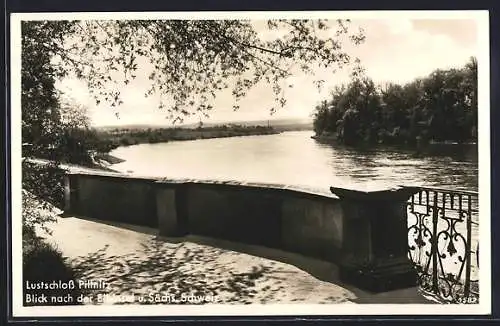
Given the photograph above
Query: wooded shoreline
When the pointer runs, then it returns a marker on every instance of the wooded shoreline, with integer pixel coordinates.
(127, 137)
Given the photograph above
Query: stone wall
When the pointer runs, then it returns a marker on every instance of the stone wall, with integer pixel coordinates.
(268, 215)
(364, 231)
(312, 224)
(234, 212)
(111, 197)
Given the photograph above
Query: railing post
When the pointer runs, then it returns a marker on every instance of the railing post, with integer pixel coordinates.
(375, 239)
(434, 244)
(468, 251)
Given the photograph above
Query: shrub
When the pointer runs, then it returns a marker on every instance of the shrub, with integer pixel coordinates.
(45, 181)
(44, 263)
(35, 213)
(41, 261)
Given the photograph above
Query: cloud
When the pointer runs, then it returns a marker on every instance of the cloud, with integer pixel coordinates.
(392, 55)
(461, 31)
(399, 26)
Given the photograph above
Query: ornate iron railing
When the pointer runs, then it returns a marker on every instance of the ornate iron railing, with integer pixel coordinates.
(443, 243)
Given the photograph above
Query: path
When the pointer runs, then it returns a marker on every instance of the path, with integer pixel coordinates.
(135, 262)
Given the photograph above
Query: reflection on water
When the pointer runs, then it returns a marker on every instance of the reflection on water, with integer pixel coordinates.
(294, 158)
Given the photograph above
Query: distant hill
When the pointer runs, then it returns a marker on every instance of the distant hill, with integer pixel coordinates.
(292, 124)
(278, 124)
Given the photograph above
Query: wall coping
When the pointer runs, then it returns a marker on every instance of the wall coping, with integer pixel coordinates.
(374, 192)
(110, 174)
(208, 182)
(251, 184)
(358, 189)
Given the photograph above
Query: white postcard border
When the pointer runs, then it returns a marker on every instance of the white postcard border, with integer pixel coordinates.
(484, 307)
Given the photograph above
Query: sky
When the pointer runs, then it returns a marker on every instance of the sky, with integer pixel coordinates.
(395, 50)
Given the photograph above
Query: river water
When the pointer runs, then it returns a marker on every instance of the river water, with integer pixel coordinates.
(294, 158)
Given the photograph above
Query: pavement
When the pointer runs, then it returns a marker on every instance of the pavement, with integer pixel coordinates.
(135, 262)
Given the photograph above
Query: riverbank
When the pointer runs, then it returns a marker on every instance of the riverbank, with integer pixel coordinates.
(128, 136)
(333, 139)
(325, 138)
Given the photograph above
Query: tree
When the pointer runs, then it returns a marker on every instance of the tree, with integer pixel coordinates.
(440, 107)
(190, 60)
(470, 88)
(353, 112)
(40, 114)
(394, 113)
(321, 118)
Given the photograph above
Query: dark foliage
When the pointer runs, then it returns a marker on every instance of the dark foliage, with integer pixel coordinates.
(44, 263)
(441, 107)
(45, 182)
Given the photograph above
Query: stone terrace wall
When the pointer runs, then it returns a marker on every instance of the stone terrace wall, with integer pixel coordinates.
(364, 231)
(263, 214)
(112, 197)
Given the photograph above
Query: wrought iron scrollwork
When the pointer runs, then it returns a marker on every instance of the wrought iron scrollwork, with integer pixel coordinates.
(442, 232)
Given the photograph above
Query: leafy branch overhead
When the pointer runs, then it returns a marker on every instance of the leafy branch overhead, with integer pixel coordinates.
(188, 62)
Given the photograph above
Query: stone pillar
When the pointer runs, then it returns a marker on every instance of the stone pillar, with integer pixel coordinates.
(70, 193)
(375, 239)
(171, 208)
(67, 193)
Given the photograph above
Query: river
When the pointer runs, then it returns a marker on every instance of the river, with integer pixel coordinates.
(294, 158)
